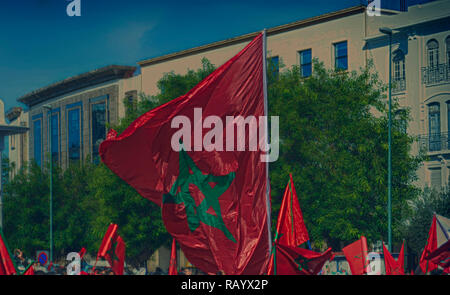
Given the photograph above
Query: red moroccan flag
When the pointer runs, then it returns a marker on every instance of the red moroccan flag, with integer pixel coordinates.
(394, 267)
(291, 230)
(431, 245)
(6, 264)
(299, 261)
(113, 249)
(441, 256)
(173, 259)
(29, 271)
(356, 255)
(82, 252)
(214, 198)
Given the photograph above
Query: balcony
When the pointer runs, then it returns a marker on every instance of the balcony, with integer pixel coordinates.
(435, 142)
(436, 75)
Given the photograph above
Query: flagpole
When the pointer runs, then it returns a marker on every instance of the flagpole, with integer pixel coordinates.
(266, 113)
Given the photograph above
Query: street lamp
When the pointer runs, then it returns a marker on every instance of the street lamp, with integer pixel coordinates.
(388, 31)
(49, 126)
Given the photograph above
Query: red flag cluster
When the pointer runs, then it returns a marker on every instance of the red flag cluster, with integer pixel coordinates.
(394, 267)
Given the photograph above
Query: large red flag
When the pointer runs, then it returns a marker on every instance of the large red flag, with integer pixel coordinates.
(6, 263)
(298, 261)
(394, 267)
(173, 259)
(113, 249)
(357, 256)
(214, 198)
(431, 245)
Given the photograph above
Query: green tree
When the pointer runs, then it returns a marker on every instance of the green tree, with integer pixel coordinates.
(333, 133)
(415, 229)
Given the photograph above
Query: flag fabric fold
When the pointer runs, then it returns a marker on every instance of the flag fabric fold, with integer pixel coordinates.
(394, 267)
(214, 201)
(6, 263)
(299, 261)
(112, 249)
(441, 256)
(431, 245)
(357, 256)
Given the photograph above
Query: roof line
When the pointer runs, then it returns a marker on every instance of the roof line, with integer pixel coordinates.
(242, 38)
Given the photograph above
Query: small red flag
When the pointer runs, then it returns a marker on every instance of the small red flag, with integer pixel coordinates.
(431, 245)
(29, 271)
(291, 229)
(173, 259)
(113, 249)
(299, 261)
(6, 264)
(82, 252)
(356, 255)
(394, 267)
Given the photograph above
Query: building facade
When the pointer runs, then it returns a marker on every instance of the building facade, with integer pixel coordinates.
(72, 116)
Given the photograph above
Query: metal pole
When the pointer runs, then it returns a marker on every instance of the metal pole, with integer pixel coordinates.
(390, 151)
(51, 188)
(49, 127)
(266, 113)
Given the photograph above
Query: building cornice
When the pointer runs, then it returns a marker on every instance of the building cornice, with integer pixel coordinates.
(248, 37)
(74, 83)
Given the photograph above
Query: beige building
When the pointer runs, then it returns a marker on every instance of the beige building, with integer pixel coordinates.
(348, 39)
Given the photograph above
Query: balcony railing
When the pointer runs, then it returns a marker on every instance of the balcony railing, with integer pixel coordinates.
(398, 85)
(436, 74)
(435, 142)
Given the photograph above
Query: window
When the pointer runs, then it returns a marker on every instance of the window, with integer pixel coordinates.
(340, 56)
(98, 127)
(54, 127)
(37, 141)
(434, 121)
(403, 122)
(74, 134)
(399, 65)
(447, 43)
(433, 53)
(274, 66)
(435, 178)
(305, 63)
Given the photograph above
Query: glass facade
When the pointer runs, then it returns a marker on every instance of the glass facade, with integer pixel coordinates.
(74, 134)
(305, 63)
(37, 141)
(54, 127)
(340, 56)
(98, 128)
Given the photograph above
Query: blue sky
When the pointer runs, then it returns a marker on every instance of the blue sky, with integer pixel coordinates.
(40, 44)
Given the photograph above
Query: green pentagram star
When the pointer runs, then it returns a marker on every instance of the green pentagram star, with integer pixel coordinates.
(179, 193)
